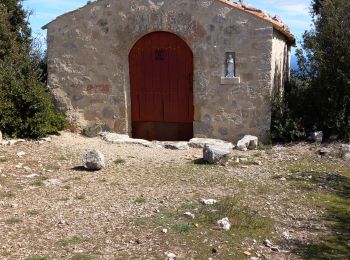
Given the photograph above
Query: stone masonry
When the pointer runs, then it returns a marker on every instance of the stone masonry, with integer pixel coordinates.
(89, 72)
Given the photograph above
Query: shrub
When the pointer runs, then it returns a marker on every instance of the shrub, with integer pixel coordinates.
(26, 108)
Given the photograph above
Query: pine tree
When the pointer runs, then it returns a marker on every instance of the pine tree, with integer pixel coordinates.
(26, 108)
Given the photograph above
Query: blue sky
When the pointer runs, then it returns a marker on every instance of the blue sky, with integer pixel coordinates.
(295, 13)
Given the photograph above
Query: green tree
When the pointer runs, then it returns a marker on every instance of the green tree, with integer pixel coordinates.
(319, 96)
(26, 108)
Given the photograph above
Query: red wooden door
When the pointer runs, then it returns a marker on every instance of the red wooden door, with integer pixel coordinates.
(161, 78)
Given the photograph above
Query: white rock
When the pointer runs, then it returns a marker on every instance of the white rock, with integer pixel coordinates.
(286, 235)
(94, 160)
(317, 136)
(176, 146)
(0, 137)
(170, 255)
(201, 142)
(247, 142)
(21, 154)
(114, 138)
(345, 148)
(224, 224)
(164, 230)
(32, 175)
(19, 166)
(45, 139)
(189, 214)
(268, 243)
(52, 182)
(283, 179)
(208, 201)
(215, 153)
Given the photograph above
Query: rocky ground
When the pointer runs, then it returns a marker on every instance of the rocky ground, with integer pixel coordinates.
(295, 196)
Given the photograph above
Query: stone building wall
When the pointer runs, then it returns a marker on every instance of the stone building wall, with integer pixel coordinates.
(280, 62)
(89, 72)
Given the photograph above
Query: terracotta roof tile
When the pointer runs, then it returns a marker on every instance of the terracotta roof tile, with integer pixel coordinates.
(276, 21)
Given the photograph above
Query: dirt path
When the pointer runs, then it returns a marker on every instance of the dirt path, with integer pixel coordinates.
(50, 207)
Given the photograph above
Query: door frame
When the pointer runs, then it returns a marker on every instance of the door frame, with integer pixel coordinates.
(129, 94)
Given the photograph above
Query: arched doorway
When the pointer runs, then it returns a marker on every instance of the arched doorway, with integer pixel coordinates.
(161, 79)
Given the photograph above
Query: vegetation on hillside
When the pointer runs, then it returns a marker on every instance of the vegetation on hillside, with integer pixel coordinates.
(318, 96)
(26, 108)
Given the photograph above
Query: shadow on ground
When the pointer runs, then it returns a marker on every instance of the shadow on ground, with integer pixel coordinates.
(333, 193)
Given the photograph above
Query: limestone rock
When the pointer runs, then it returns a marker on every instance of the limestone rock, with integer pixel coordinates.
(94, 160)
(21, 154)
(52, 182)
(189, 214)
(114, 138)
(176, 146)
(317, 136)
(0, 137)
(201, 142)
(345, 151)
(215, 153)
(170, 256)
(345, 148)
(224, 224)
(208, 201)
(247, 142)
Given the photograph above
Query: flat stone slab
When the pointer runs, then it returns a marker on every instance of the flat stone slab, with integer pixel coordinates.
(215, 153)
(114, 138)
(201, 142)
(176, 146)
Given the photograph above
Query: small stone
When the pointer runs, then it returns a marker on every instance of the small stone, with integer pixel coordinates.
(268, 243)
(345, 148)
(94, 160)
(214, 250)
(170, 255)
(19, 166)
(224, 224)
(283, 179)
(45, 139)
(208, 201)
(189, 214)
(164, 230)
(247, 253)
(286, 235)
(52, 182)
(317, 136)
(21, 154)
(248, 142)
(0, 137)
(259, 163)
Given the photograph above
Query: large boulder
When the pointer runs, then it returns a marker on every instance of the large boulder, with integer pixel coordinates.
(248, 142)
(215, 153)
(94, 160)
(201, 142)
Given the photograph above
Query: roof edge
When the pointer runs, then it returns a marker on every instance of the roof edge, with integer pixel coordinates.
(275, 21)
